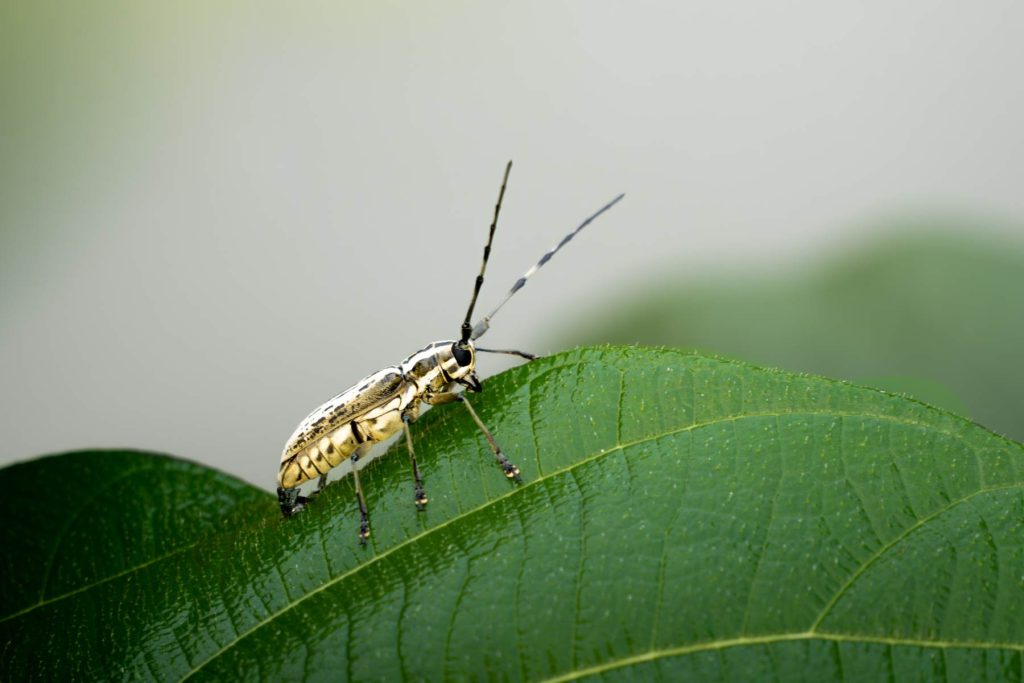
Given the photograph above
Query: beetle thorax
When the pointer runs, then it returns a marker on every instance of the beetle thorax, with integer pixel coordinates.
(435, 367)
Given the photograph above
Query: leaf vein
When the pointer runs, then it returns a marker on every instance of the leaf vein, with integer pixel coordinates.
(106, 579)
(582, 563)
(768, 527)
(896, 541)
(73, 516)
(719, 645)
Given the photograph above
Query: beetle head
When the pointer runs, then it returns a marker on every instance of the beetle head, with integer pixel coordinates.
(462, 365)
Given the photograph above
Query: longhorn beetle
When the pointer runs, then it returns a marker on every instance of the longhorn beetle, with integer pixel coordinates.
(349, 424)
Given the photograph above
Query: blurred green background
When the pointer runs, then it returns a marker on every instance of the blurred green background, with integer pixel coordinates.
(214, 217)
(932, 313)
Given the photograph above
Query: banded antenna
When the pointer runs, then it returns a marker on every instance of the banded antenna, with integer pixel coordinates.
(485, 323)
(467, 330)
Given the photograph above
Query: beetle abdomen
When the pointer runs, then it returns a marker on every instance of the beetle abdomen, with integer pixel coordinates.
(376, 425)
(316, 460)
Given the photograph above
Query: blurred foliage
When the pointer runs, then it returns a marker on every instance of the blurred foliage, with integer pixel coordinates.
(935, 315)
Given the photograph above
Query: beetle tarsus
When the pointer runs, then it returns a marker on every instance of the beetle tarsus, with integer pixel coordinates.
(421, 498)
(364, 521)
(290, 501)
(510, 470)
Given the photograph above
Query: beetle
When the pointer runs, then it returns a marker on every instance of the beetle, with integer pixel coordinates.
(376, 408)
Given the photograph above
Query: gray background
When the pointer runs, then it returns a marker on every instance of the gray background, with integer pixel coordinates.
(215, 218)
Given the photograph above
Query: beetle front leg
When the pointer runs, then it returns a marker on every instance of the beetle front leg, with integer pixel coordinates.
(510, 470)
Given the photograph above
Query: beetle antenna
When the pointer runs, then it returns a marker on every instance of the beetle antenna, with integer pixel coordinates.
(467, 330)
(509, 352)
(481, 327)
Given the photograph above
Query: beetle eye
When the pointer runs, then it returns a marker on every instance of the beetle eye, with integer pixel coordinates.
(463, 356)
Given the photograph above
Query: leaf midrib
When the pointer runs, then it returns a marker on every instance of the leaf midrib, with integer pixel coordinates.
(569, 468)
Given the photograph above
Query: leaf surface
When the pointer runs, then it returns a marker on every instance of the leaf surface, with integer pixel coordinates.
(681, 515)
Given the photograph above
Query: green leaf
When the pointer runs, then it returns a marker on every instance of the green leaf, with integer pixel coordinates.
(681, 516)
(938, 316)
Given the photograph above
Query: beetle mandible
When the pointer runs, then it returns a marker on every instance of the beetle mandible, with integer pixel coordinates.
(348, 425)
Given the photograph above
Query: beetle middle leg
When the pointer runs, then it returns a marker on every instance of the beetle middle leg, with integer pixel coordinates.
(419, 494)
(364, 513)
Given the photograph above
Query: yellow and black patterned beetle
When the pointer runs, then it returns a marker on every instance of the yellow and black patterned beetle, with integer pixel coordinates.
(348, 425)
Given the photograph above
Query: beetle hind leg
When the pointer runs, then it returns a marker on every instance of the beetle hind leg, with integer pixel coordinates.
(320, 484)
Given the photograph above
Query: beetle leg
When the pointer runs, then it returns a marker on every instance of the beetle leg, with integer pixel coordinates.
(320, 484)
(290, 501)
(364, 514)
(441, 398)
(419, 495)
(510, 470)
